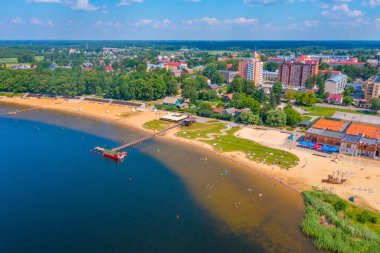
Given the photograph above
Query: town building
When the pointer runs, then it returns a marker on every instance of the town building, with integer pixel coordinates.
(336, 84)
(252, 70)
(270, 76)
(172, 101)
(352, 62)
(372, 88)
(335, 99)
(350, 138)
(229, 75)
(295, 73)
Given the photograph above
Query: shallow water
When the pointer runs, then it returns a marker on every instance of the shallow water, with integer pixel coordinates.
(56, 196)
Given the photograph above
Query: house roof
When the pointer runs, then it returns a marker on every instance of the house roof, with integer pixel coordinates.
(170, 100)
(230, 95)
(352, 138)
(333, 134)
(213, 86)
(370, 141)
(332, 125)
(218, 110)
(230, 110)
(174, 64)
(369, 131)
(305, 123)
(326, 133)
(337, 97)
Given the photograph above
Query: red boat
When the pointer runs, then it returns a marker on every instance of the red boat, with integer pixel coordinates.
(114, 154)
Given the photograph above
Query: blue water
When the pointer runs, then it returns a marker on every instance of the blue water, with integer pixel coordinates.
(56, 196)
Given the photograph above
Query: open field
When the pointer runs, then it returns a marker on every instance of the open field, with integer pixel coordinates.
(200, 130)
(157, 125)
(216, 135)
(339, 226)
(39, 58)
(9, 60)
(329, 112)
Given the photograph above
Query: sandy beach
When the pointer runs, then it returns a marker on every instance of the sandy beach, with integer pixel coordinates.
(363, 175)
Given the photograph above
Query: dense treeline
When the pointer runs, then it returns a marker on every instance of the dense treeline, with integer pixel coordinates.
(207, 45)
(140, 86)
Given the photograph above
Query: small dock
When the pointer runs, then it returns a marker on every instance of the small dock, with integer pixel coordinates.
(141, 140)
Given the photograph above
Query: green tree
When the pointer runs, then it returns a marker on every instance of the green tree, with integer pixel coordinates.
(275, 118)
(290, 95)
(374, 104)
(308, 98)
(236, 85)
(347, 100)
(259, 96)
(277, 89)
(324, 66)
(349, 91)
(292, 116)
(271, 66)
(248, 118)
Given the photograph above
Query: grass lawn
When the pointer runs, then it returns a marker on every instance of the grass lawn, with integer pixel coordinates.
(329, 112)
(201, 130)
(229, 143)
(157, 124)
(10, 94)
(39, 58)
(304, 118)
(9, 60)
(339, 226)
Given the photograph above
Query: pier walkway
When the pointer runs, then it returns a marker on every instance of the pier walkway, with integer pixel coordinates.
(141, 140)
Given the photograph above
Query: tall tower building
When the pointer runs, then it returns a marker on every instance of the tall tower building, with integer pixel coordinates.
(252, 70)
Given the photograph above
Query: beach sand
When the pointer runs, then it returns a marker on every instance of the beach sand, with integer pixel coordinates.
(363, 175)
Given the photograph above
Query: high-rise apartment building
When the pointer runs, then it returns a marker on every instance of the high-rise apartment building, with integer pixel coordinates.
(372, 88)
(296, 73)
(252, 70)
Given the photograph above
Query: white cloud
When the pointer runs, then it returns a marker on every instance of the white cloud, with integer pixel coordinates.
(214, 21)
(377, 22)
(117, 25)
(311, 23)
(371, 3)
(35, 21)
(83, 5)
(256, 3)
(241, 21)
(157, 24)
(193, 1)
(128, 2)
(341, 15)
(344, 9)
(16, 21)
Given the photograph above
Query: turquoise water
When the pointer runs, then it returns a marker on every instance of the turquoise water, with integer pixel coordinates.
(56, 196)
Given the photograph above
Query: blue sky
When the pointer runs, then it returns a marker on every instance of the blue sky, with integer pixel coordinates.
(191, 19)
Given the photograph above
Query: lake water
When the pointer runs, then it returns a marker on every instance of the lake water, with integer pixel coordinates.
(56, 196)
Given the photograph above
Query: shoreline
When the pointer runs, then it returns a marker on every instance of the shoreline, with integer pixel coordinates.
(297, 178)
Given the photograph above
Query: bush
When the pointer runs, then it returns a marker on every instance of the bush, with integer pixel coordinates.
(366, 216)
(341, 205)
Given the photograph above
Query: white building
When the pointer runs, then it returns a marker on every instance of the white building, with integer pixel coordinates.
(336, 84)
(255, 72)
(270, 76)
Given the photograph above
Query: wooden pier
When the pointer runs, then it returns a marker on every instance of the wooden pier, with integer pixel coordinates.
(141, 140)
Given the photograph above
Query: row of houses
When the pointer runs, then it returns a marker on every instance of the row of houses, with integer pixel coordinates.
(356, 139)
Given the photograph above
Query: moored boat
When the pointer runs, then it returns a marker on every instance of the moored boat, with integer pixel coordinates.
(114, 154)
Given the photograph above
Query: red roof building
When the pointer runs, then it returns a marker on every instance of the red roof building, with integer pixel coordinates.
(335, 99)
